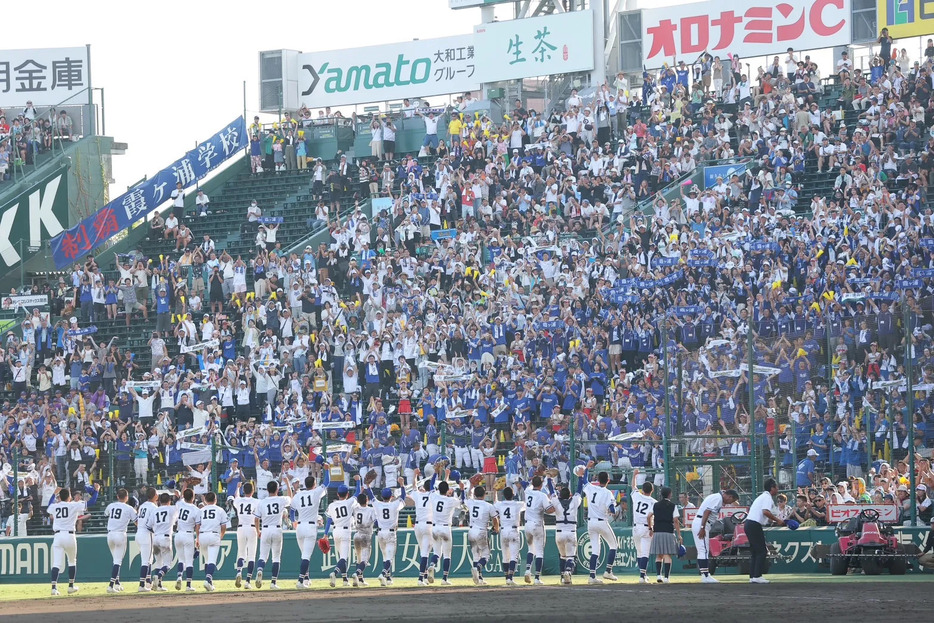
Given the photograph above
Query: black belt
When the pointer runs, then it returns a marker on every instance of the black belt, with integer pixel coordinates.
(165, 535)
(209, 532)
(271, 527)
(64, 532)
(443, 525)
(388, 529)
(423, 523)
(343, 528)
(570, 523)
(186, 531)
(248, 527)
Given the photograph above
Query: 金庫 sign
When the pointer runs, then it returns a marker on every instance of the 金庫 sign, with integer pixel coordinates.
(45, 76)
(388, 72)
(537, 46)
(686, 31)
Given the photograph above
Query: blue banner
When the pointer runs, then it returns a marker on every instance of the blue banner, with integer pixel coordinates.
(687, 310)
(275, 220)
(443, 234)
(763, 246)
(712, 263)
(906, 284)
(139, 201)
(722, 170)
(884, 296)
(924, 273)
(663, 262)
(84, 331)
(927, 243)
(554, 325)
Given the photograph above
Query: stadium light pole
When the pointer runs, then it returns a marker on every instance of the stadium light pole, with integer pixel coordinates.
(753, 454)
(909, 382)
(666, 438)
(15, 508)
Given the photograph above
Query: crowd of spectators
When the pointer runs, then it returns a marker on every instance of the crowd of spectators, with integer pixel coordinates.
(26, 134)
(530, 282)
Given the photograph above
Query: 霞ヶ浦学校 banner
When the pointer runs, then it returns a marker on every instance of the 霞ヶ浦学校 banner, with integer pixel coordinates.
(139, 201)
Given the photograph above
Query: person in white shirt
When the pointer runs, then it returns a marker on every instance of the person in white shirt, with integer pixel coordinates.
(600, 508)
(537, 503)
(443, 503)
(64, 514)
(269, 512)
(178, 201)
(144, 518)
(202, 202)
(480, 515)
(387, 520)
(189, 522)
(760, 513)
(306, 504)
(363, 523)
(341, 515)
(244, 505)
(214, 523)
(423, 523)
(508, 510)
(162, 527)
(708, 511)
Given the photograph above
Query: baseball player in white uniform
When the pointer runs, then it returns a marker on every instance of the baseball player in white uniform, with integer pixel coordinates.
(188, 523)
(162, 528)
(508, 510)
(642, 505)
(214, 524)
(565, 512)
(480, 515)
(269, 512)
(340, 516)
(244, 505)
(707, 512)
(387, 520)
(363, 523)
(307, 506)
(119, 515)
(64, 514)
(421, 498)
(443, 503)
(537, 503)
(144, 519)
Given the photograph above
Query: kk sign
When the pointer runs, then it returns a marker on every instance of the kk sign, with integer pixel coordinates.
(388, 72)
(45, 76)
(767, 27)
(906, 18)
(34, 215)
(538, 46)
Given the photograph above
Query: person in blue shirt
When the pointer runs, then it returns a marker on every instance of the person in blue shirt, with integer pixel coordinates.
(232, 478)
(805, 471)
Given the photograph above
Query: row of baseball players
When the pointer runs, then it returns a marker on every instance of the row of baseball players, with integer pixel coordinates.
(353, 519)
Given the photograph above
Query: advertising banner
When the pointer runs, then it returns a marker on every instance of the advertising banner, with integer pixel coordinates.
(26, 300)
(686, 31)
(536, 46)
(28, 559)
(838, 512)
(906, 18)
(140, 200)
(721, 170)
(726, 511)
(44, 76)
(388, 72)
(33, 216)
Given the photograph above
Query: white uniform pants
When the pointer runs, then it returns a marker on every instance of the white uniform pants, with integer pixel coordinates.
(185, 548)
(246, 543)
(701, 544)
(342, 542)
(210, 547)
(386, 539)
(643, 542)
(509, 543)
(535, 539)
(476, 459)
(566, 539)
(441, 540)
(116, 541)
(162, 550)
(362, 546)
(64, 547)
(424, 539)
(307, 536)
(391, 475)
(144, 541)
(270, 544)
(461, 456)
(479, 540)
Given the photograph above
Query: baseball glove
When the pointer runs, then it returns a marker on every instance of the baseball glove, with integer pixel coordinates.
(370, 477)
(551, 472)
(500, 484)
(476, 479)
(324, 545)
(540, 471)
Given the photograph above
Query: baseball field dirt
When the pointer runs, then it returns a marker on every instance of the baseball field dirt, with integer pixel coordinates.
(787, 598)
